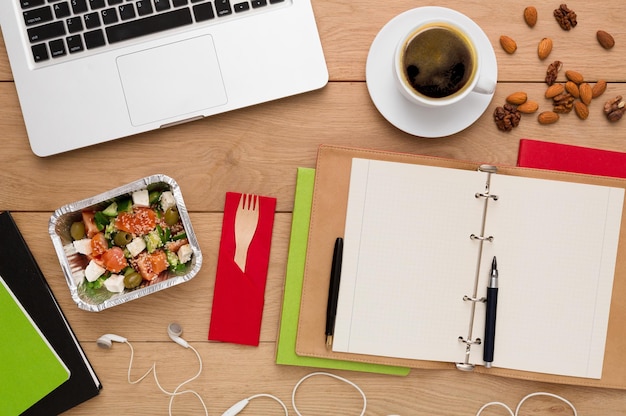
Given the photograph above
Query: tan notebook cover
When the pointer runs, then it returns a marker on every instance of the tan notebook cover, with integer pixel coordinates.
(327, 223)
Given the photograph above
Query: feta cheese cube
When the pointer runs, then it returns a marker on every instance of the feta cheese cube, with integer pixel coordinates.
(141, 198)
(83, 246)
(93, 271)
(184, 253)
(136, 246)
(115, 283)
(167, 200)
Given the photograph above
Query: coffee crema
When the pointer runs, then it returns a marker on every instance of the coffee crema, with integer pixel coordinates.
(438, 61)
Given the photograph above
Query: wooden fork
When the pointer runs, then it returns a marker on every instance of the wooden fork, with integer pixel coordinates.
(246, 221)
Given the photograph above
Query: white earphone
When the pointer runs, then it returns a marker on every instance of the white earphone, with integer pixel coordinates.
(174, 330)
(106, 340)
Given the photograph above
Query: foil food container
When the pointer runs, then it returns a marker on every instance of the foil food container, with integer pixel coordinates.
(74, 263)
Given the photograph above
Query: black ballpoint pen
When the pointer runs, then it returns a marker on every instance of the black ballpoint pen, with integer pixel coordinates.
(490, 319)
(333, 291)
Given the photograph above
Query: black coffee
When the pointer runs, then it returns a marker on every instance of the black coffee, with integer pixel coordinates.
(438, 62)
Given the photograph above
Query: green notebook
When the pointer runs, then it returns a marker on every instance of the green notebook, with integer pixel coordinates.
(29, 367)
(286, 344)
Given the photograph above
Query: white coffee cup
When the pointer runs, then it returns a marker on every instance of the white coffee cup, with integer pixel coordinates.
(438, 63)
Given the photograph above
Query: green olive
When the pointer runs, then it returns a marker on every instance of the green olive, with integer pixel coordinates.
(132, 280)
(171, 216)
(77, 230)
(122, 238)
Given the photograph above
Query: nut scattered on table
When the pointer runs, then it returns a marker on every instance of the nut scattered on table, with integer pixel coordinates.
(528, 107)
(581, 110)
(563, 103)
(517, 98)
(530, 16)
(544, 48)
(598, 89)
(548, 117)
(554, 90)
(565, 17)
(574, 76)
(553, 72)
(572, 88)
(615, 108)
(605, 39)
(508, 44)
(506, 117)
(586, 93)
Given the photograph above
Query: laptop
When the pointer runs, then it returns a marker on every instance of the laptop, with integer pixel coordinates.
(90, 71)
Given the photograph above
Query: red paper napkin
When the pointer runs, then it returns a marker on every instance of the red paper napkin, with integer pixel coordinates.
(239, 297)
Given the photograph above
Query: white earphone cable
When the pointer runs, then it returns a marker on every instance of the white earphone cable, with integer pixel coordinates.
(235, 409)
(519, 405)
(293, 393)
(176, 391)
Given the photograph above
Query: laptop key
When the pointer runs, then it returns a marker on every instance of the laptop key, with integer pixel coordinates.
(57, 48)
(62, 10)
(40, 52)
(47, 31)
(241, 7)
(37, 16)
(144, 7)
(32, 3)
(79, 6)
(258, 3)
(203, 12)
(148, 25)
(127, 11)
(222, 7)
(94, 39)
(92, 20)
(162, 5)
(74, 24)
(74, 43)
(109, 16)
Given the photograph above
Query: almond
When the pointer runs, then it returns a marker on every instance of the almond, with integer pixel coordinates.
(572, 88)
(598, 89)
(605, 39)
(586, 93)
(508, 44)
(528, 107)
(544, 48)
(554, 90)
(548, 117)
(574, 76)
(530, 16)
(517, 98)
(581, 109)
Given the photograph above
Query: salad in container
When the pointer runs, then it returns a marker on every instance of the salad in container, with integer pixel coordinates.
(125, 243)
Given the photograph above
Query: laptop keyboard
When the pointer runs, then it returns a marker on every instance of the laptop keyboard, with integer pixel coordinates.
(57, 28)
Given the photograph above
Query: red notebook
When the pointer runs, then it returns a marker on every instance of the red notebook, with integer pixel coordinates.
(569, 158)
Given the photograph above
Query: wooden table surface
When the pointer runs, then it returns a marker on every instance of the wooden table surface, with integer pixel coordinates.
(257, 150)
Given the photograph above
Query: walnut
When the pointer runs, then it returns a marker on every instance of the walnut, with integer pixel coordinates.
(565, 17)
(553, 72)
(563, 103)
(507, 117)
(615, 108)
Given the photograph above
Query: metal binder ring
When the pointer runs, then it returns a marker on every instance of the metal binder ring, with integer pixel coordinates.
(480, 237)
(477, 341)
(483, 195)
(471, 299)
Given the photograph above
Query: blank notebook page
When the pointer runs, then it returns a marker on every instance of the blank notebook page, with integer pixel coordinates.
(408, 261)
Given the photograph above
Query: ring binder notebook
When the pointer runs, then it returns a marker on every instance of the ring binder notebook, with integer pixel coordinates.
(469, 340)
(553, 306)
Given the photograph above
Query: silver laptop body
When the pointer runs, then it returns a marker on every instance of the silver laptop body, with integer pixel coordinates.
(142, 76)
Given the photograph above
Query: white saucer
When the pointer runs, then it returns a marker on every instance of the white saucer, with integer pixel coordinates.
(413, 119)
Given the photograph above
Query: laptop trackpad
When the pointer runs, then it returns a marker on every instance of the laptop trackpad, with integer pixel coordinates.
(170, 81)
